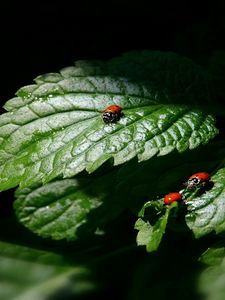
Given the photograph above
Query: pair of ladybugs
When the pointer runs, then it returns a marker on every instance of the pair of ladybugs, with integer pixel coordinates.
(196, 180)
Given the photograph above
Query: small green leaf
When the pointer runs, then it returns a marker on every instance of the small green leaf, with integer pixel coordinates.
(151, 235)
(67, 209)
(207, 212)
(55, 129)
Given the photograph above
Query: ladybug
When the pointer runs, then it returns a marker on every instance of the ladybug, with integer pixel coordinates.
(112, 114)
(197, 179)
(172, 197)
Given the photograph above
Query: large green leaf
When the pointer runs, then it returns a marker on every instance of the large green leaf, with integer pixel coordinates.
(55, 128)
(212, 279)
(27, 273)
(207, 212)
(69, 208)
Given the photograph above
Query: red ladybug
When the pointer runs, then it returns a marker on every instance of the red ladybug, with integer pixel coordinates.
(112, 114)
(172, 197)
(198, 179)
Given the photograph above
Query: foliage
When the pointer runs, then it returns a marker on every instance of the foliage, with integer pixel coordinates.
(81, 181)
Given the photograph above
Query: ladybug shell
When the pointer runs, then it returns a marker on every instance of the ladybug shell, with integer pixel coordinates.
(115, 109)
(172, 197)
(112, 114)
(201, 176)
(199, 179)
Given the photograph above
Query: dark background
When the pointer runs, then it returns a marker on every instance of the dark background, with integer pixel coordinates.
(43, 36)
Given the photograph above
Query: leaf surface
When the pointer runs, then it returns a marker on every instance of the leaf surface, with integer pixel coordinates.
(69, 208)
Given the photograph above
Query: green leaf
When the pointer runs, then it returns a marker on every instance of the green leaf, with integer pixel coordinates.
(151, 235)
(27, 273)
(69, 208)
(55, 129)
(212, 279)
(207, 212)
